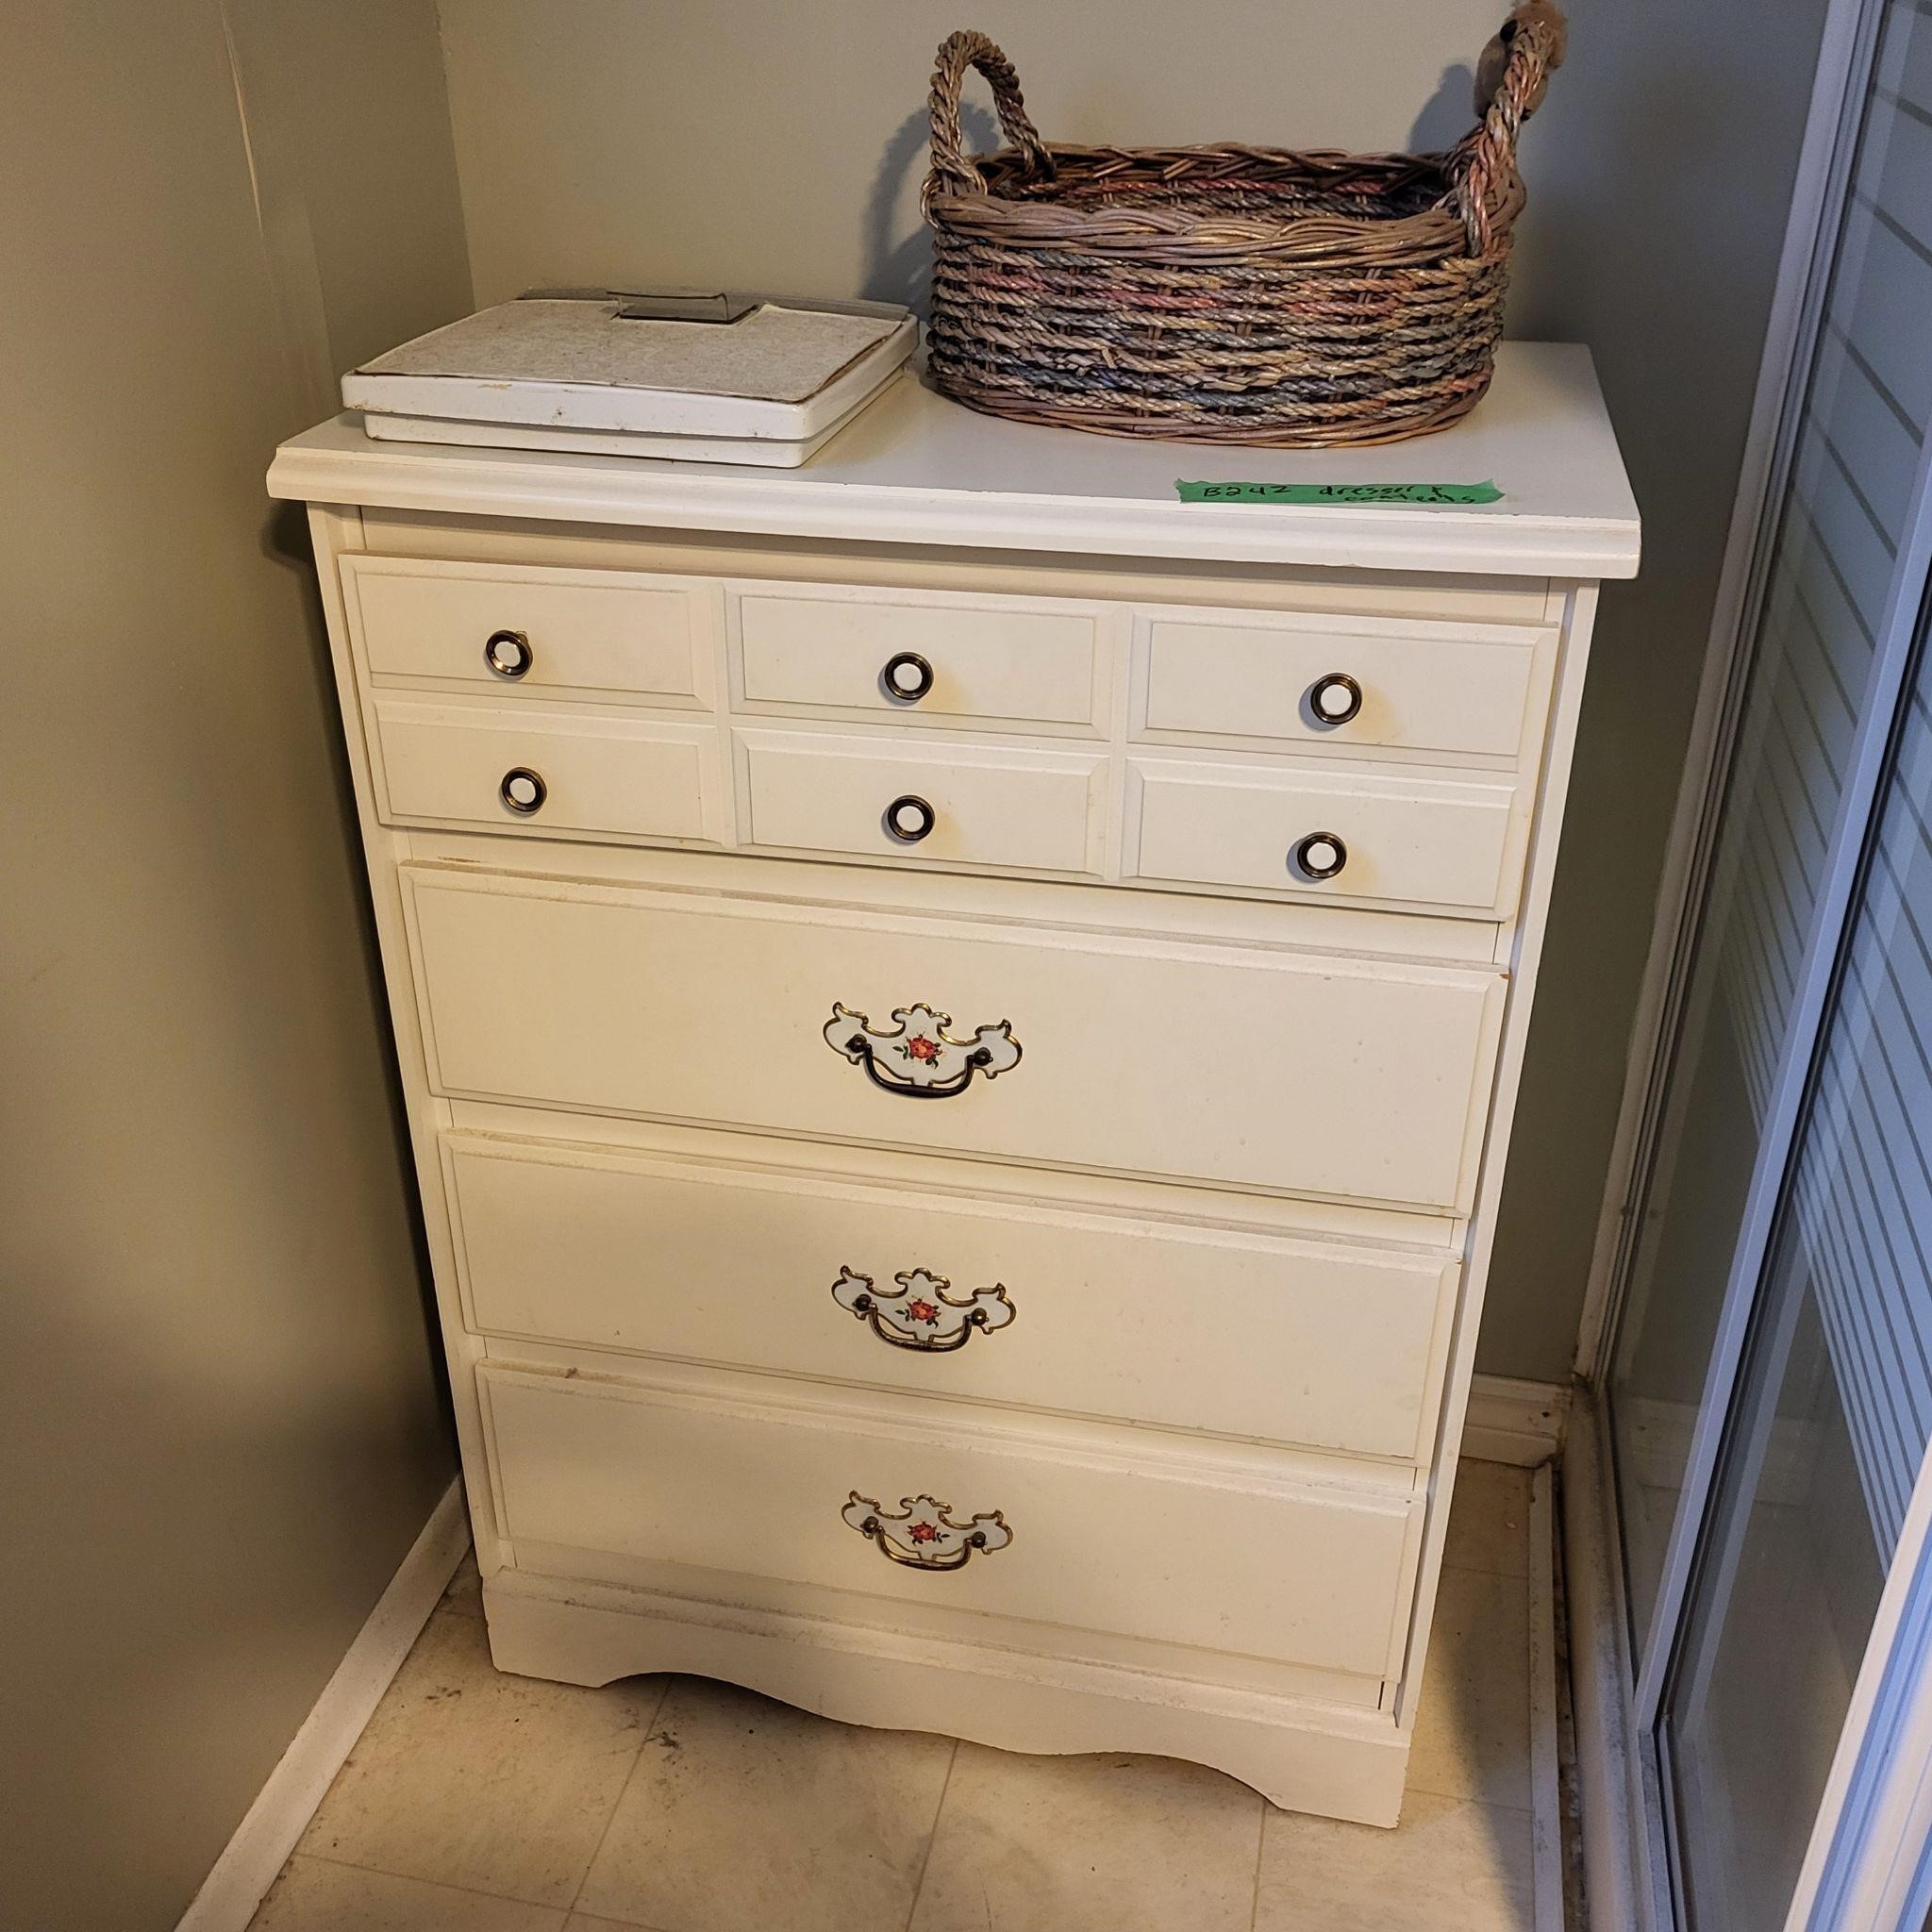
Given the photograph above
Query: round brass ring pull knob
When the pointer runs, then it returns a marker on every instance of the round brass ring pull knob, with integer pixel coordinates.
(906, 676)
(1319, 855)
(1334, 699)
(522, 791)
(909, 819)
(508, 653)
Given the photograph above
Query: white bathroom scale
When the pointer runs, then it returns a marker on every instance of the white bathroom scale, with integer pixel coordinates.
(707, 377)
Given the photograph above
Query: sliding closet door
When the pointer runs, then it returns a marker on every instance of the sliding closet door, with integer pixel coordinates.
(1835, 1409)
(1837, 564)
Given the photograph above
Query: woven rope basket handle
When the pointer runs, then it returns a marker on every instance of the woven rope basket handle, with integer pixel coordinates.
(1511, 78)
(953, 168)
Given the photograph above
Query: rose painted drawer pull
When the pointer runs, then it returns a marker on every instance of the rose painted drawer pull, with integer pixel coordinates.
(918, 1057)
(925, 1537)
(922, 1312)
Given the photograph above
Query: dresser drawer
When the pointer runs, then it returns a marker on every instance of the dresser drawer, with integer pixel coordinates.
(1237, 1561)
(952, 805)
(920, 657)
(1286, 678)
(1390, 839)
(577, 631)
(576, 771)
(1265, 1067)
(1027, 1304)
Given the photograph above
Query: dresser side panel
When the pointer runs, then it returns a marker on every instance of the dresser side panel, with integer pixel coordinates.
(337, 533)
(1520, 944)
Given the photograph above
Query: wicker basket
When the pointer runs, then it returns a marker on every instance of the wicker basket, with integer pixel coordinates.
(1226, 293)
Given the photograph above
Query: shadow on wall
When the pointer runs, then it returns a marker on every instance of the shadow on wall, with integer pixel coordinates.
(286, 543)
(901, 270)
(1448, 113)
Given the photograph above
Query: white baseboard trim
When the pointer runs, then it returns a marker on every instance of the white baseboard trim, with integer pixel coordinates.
(296, 1787)
(1518, 1422)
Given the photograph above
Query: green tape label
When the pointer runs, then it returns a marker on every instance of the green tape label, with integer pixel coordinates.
(1339, 492)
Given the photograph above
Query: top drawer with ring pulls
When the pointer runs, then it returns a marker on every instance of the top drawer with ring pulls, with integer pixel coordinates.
(627, 635)
(920, 657)
(1324, 681)
(1340, 684)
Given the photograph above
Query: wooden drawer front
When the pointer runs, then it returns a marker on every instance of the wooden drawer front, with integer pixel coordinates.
(1135, 1321)
(1407, 841)
(587, 631)
(1424, 687)
(631, 776)
(1293, 1073)
(1236, 1562)
(1040, 811)
(992, 660)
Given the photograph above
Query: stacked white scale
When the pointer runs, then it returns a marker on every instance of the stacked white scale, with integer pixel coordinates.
(711, 378)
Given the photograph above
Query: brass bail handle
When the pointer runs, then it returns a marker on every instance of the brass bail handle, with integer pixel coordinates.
(1511, 79)
(954, 171)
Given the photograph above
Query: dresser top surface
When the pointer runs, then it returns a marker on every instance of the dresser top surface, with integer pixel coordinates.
(915, 468)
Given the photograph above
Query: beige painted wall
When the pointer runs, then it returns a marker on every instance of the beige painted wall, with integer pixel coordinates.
(747, 143)
(219, 1418)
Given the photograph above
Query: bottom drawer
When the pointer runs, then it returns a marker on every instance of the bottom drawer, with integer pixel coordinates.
(1239, 1556)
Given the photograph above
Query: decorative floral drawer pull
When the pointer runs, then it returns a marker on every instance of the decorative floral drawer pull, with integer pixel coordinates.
(925, 1537)
(922, 1312)
(918, 1057)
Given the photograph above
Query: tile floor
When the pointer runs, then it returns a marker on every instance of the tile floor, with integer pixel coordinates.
(482, 1803)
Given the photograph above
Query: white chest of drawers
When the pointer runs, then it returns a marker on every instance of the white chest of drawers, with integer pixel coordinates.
(961, 1021)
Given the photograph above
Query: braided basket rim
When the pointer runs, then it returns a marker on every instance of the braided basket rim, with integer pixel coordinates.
(1044, 219)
